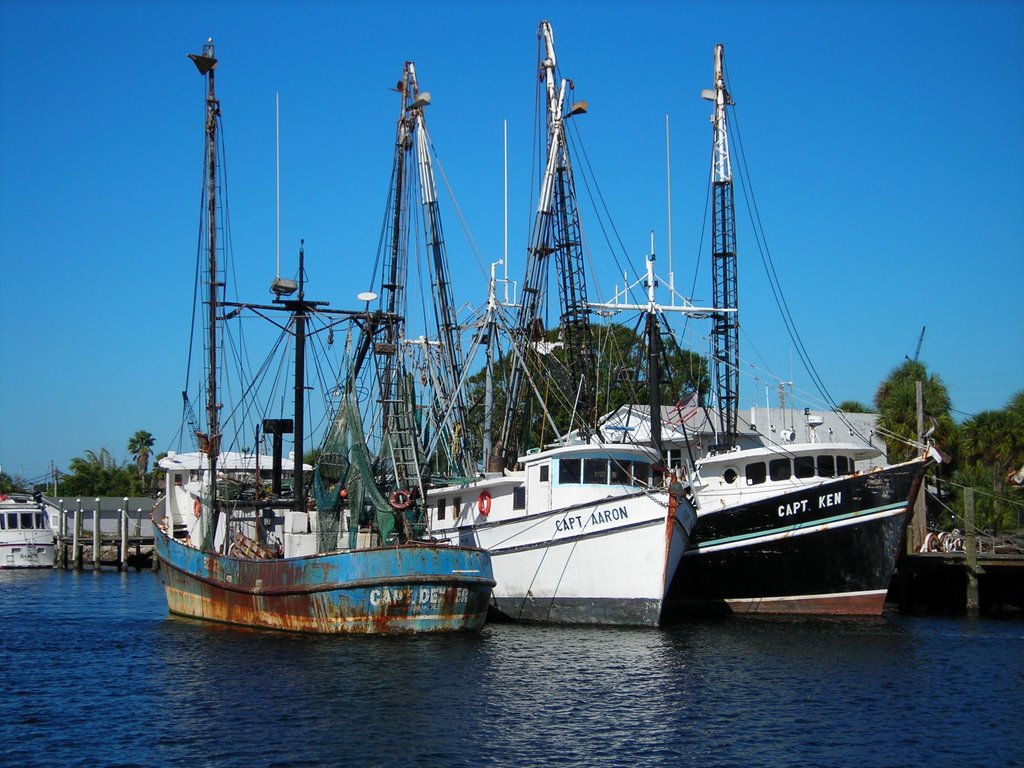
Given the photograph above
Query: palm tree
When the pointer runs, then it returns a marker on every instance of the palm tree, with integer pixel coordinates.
(97, 474)
(139, 446)
(994, 440)
(896, 403)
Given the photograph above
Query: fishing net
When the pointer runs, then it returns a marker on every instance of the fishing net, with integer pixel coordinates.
(344, 479)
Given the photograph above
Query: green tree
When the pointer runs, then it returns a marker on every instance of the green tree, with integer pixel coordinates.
(139, 446)
(97, 474)
(855, 406)
(896, 404)
(993, 441)
(620, 371)
(7, 483)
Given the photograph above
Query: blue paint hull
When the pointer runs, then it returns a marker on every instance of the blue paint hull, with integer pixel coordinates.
(394, 590)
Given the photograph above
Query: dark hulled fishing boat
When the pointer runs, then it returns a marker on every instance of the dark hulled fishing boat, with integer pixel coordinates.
(783, 527)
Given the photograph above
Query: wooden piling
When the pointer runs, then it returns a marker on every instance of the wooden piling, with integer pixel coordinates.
(96, 536)
(62, 545)
(970, 552)
(76, 539)
(122, 535)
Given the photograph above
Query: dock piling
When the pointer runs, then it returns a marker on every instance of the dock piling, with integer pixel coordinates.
(96, 536)
(971, 552)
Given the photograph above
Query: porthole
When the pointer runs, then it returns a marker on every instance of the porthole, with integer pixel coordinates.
(730, 475)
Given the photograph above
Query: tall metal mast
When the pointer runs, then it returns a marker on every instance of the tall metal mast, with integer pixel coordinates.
(725, 330)
(556, 229)
(395, 265)
(449, 397)
(206, 64)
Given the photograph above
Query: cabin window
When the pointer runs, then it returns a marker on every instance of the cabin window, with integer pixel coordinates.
(779, 469)
(803, 466)
(456, 506)
(519, 498)
(26, 521)
(595, 471)
(641, 473)
(441, 511)
(569, 471)
(842, 465)
(730, 475)
(545, 470)
(826, 465)
(618, 472)
(756, 473)
(3, 522)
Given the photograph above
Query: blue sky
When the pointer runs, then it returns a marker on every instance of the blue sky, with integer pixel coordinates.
(884, 141)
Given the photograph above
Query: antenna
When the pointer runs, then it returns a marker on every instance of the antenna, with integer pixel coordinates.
(281, 286)
(505, 258)
(668, 193)
(277, 161)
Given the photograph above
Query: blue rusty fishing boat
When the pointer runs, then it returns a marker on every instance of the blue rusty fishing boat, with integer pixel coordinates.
(238, 538)
(383, 590)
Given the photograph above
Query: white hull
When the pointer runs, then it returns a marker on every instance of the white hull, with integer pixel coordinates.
(26, 540)
(608, 559)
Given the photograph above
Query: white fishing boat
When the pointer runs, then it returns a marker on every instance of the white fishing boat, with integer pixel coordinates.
(26, 532)
(580, 529)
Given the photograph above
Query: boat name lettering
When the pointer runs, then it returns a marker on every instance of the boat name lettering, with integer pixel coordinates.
(792, 508)
(425, 596)
(830, 500)
(601, 517)
(825, 500)
(571, 523)
(607, 516)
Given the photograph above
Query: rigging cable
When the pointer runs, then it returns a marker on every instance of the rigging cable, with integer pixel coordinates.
(775, 284)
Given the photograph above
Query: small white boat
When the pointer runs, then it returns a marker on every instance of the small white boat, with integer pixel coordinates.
(26, 537)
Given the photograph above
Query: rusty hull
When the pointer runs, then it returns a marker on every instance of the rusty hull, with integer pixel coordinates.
(393, 590)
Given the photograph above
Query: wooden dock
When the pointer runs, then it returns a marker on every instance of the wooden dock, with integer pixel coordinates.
(981, 573)
(947, 582)
(105, 531)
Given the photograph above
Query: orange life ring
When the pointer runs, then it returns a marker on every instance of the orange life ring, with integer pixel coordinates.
(400, 499)
(483, 503)
(197, 508)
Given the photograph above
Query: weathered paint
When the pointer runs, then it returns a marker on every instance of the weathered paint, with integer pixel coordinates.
(394, 590)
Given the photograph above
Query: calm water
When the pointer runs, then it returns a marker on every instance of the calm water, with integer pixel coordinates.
(95, 672)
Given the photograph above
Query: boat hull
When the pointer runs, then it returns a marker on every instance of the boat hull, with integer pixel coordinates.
(607, 563)
(396, 590)
(827, 549)
(26, 539)
(27, 552)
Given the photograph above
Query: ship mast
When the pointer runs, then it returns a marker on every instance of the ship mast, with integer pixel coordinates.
(725, 329)
(451, 416)
(556, 230)
(206, 64)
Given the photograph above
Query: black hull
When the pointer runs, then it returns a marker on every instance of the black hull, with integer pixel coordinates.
(830, 549)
